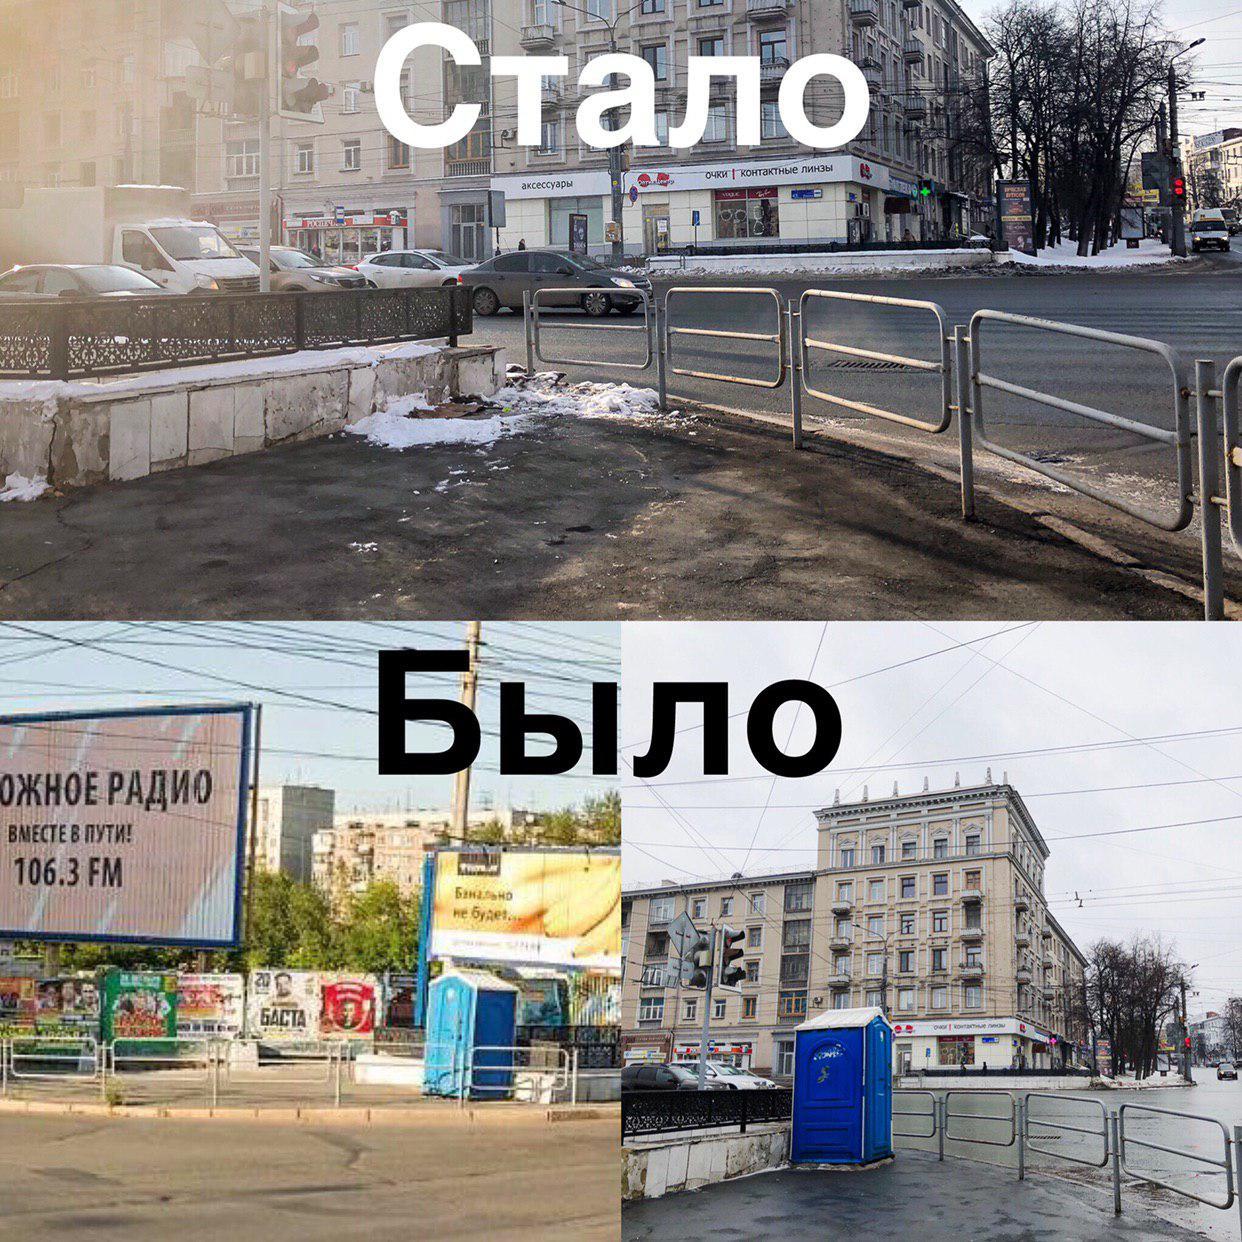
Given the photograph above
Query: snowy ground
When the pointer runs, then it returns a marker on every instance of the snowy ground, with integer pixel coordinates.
(1065, 254)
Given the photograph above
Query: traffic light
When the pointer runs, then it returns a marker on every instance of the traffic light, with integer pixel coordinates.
(730, 950)
(701, 960)
(1187, 1043)
(299, 97)
(1179, 187)
(246, 61)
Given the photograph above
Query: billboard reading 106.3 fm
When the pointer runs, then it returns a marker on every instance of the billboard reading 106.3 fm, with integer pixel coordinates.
(124, 825)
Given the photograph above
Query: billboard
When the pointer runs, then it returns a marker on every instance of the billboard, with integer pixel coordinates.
(210, 1006)
(137, 1005)
(539, 907)
(124, 826)
(283, 1006)
(348, 1005)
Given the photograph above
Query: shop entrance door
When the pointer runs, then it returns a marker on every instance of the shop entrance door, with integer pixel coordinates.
(655, 228)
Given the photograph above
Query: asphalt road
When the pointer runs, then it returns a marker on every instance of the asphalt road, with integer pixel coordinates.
(1196, 308)
(149, 1181)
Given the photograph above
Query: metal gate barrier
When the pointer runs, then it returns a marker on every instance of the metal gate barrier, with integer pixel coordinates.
(961, 370)
(1225, 1164)
(1008, 1119)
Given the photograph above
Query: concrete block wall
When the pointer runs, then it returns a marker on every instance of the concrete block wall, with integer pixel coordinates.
(650, 1170)
(79, 434)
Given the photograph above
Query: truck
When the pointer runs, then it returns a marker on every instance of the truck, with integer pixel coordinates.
(147, 227)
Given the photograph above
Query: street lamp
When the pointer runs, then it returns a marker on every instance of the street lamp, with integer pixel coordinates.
(1178, 204)
(615, 160)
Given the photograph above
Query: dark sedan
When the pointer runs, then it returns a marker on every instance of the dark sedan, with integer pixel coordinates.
(586, 283)
(77, 280)
(662, 1078)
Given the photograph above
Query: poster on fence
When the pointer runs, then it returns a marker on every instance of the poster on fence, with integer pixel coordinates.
(210, 1006)
(594, 999)
(67, 1006)
(18, 1004)
(283, 1006)
(138, 1006)
(399, 993)
(124, 826)
(348, 1008)
(536, 907)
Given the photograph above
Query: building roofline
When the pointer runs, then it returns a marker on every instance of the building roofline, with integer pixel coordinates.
(1069, 940)
(941, 797)
(776, 877)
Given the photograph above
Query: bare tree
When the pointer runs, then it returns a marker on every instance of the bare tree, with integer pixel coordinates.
(1233, 1026)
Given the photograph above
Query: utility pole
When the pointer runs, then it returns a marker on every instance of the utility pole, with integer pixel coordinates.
(1178, 208)
(1185, 1036)
(469, 694)
(265, 142)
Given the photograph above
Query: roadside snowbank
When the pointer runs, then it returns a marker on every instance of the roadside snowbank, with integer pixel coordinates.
(829, 263)
(1150, 252)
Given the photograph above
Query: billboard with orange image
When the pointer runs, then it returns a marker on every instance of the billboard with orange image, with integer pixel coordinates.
(548, 907)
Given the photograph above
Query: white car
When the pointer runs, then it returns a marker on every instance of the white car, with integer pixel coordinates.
(391, 269)
(729, 1076)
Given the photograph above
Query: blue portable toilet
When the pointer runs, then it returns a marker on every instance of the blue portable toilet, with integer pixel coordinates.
(843, 1088)
(471, 1029)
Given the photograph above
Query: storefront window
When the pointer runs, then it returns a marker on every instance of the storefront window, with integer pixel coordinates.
(956, 1049)
(559, 211)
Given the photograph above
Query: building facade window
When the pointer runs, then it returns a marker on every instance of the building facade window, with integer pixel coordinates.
(905, 961)
(875, 964)
(661, 910)
(791, 1005)
(304, 159)
(905, 1000)
(750, 1006)
(698, 908)
(973, 996)
(726, 906)
(908, 887)
(940, 998)
(940, 885)
(349, 39)
(875, 890)
(656, 55)
(651, 1009)
(241, 157)
(757, 902)
(908, 922)
(689, 1008)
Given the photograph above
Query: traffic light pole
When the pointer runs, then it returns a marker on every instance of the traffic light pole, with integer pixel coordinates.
(1175, 170)
(265, 141)
(707, 1016)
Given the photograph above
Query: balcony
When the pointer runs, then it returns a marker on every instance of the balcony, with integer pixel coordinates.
(772, 71)
(762, 10)
(1049, 960)
(1021, 904)
(971, 894)
(1023, 940)
(1023, 975)
(865, 12)
(972, 970)
(874, 73)
(842, 905)
(912, 51)
(551, 91)
(841, 940)
(840, 981)
(470, 168)
(972, 933)
(1046, 933)
(538, 37)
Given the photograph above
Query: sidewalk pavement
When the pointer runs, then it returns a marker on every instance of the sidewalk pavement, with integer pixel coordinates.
(572, 517)
(915, 1196)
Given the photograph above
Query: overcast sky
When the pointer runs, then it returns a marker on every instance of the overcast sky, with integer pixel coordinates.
(1081, 688)
(317, 684)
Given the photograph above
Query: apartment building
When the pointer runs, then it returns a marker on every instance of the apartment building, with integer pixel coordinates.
(288, 818)
(919, 58)
(87, 95)
(930, 905)
(1213, 164)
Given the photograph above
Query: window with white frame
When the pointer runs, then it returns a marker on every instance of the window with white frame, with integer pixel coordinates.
(905, 1000)
(689, 1008)
(875, 925)
(698, 908)
(909, 848)
(757, 902)
(973, 996)
(875, 964)
(661, 910)
(754, 937)
(351, 93)
(349, 39)
(841, 999)
(8, 84)
(241, 157)
(784, 1058)
(651, 1009)
(877, 850)
(875, 997)
(304, 159)
(726, 906)
(601, 9)
(351, 154)
(718, 1010)
(845, 890)
(847, 856)
(550, 136)
(875, 890)
(940, 998)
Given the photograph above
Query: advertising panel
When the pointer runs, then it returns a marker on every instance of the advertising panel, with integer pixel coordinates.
(283, 1006)
(348, 1006)
(1017, 217)
(210, 1006)
(124, 826)
(594, 999)
(138, 1006)
(67, 1006)
(539, 907)
(18, 1004)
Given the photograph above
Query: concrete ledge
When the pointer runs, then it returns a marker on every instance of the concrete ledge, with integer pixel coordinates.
(874, 261)
(662, 1167)
(77, 433)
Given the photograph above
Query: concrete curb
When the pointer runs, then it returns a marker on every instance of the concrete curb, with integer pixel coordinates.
(346, 1116)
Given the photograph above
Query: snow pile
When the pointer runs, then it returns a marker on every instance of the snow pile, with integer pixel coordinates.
(1065, 254)
(19, 487)
(827, 263)
(398, 426)
(542, 394)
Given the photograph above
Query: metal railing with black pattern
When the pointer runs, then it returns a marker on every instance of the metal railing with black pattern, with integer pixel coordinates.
(661, 1112)
(57, 339)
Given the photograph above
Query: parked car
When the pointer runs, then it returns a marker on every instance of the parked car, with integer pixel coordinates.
(1209, 232)
(502, 281)
(1226, 1069)
(77, 280)
(418, 268)
(728, 1076)
(662, 1078)
(295, 269)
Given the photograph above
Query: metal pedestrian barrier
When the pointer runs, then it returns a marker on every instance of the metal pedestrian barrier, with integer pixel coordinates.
(931, 1116)
(50, 1058)
(1050, 1128)
(1007, 1119)
(534, 303)
(942, 365)
(960, 361)
(1223, 1165)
